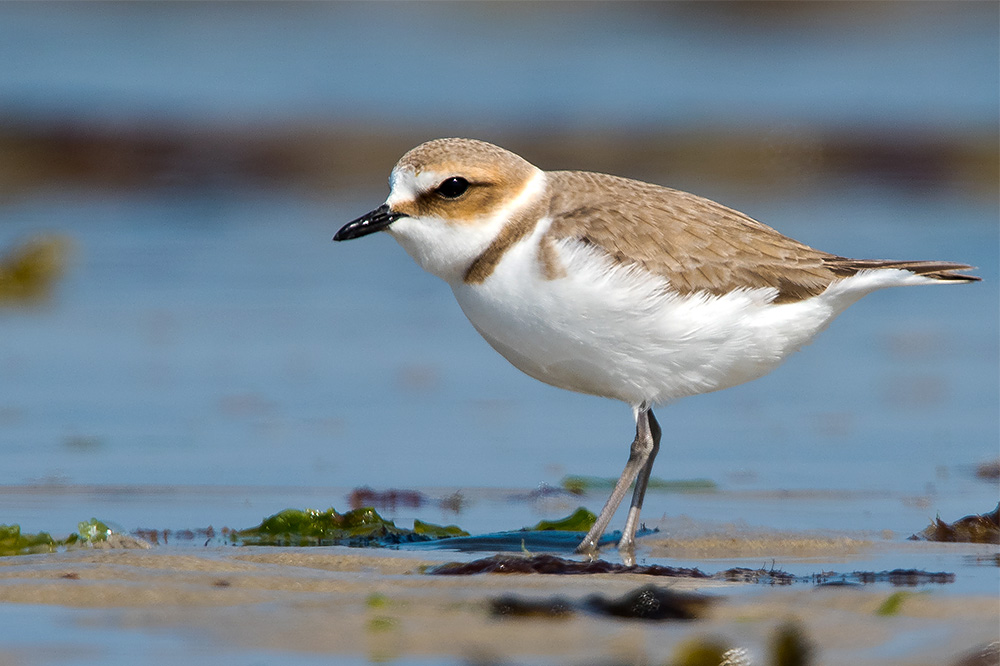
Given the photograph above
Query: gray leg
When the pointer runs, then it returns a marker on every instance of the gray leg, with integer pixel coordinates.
(640, 461)
(627, 544)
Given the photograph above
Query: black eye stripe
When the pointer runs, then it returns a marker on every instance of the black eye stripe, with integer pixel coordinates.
(452, 188)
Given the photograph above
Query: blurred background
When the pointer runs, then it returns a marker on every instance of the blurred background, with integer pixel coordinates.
(181, 344)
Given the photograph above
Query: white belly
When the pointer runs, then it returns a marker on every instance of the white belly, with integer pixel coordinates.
(621, 333)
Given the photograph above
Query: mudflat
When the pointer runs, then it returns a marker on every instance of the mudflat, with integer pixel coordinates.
(356, 604)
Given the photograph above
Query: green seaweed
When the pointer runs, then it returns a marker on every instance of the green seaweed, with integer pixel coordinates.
(93, 530)
(437, 531)
(29, 271)
(359, 527)
(294, 527)
(790, 646)
(580, 520)
(13, 542)
(381, 623)
(377, 600)
(892, 604)
(581, 484)
(700, 652)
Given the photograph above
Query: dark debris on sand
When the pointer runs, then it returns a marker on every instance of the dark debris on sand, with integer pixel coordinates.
(976, 528)
(648, 602)
(896, 578)
(551, 564)
(762, 576)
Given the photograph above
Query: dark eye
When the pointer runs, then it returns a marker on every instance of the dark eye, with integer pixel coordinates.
(453, 187)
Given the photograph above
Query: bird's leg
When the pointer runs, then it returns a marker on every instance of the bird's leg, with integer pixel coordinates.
(626, 546)
(642, 445)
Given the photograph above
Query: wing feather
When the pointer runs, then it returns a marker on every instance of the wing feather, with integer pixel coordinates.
(692, 242)
(699, 245)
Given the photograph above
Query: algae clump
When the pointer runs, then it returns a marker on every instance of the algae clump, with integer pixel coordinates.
(360, 527)
(580, 520)
(93, 531)
(29, 271)
(13, 542)
(437, 531)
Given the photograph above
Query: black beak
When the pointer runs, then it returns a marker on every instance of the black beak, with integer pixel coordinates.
(377, 220)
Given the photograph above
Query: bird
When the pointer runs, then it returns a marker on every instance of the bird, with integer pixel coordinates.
(618, 288)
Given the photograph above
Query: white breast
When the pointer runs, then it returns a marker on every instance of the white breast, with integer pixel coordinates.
(622, 333)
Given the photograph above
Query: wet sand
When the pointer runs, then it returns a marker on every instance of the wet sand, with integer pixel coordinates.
(378, 605)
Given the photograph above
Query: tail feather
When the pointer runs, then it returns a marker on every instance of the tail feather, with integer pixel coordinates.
(945, 271)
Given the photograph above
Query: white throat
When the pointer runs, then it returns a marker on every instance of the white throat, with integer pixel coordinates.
(445, 247)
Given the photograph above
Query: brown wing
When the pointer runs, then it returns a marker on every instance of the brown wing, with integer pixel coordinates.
(697, 244)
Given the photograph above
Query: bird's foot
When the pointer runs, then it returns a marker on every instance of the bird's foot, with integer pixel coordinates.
(588, 549)
(626, 549)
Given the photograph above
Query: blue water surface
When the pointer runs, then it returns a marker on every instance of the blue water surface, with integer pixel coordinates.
(223, 340)
(211, 358)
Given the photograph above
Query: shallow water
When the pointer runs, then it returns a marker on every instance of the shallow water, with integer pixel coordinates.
(491, 66)
(255, 605)
(222, 340)
(211, 357)
(54, 635)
